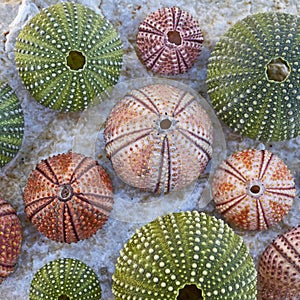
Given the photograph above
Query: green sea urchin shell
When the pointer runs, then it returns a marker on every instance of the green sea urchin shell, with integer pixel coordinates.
(253, 77)
(65, 279)
(11, 124)
(185, 252)
(67, 55)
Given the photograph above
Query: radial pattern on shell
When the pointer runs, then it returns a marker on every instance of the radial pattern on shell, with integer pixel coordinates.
(254, 77)
(185, 253)
(253, 189)
(65, 279)
(11, 124)
(67, 56)
(68, 197)
(159, 138)
(169, 41)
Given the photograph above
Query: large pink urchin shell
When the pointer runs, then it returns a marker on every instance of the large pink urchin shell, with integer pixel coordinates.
(159, 138)
(10, 239)
(169, 41)
(253, 189)
(68, 197)
(279, 268)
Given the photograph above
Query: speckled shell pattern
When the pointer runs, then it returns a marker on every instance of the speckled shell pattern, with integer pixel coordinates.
(253, 189)
(181, 249)
(11, 124)
(68, 197)
(65, 277)
(10, 239)
(45, 65)
(279, 268)
(159, 138)
(244, 95)
(159, 51)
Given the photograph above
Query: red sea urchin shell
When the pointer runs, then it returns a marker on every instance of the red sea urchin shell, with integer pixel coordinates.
(279, 268)
(159, 138)
(169, 41)
(68, 197)
(10, 239)
(253, 189)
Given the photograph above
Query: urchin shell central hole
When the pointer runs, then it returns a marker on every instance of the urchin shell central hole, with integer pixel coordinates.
(65, 193)
(190, 292)
(75, 60)
(255, 189)
(174, 37)
(278, 70)
(63, 297)
(165, 124)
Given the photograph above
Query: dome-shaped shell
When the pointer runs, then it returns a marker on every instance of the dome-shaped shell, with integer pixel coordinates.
(68, 197)
(187, 251)
(253, 189)
(67, 55)
(10, 239)
(159, 138)
(63, 279)
(253, 76)
(279, 268)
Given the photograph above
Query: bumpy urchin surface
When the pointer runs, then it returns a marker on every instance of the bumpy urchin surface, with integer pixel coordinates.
(11, 124)
(65, 279)
(253, 77)
(68, 197)
(169, 40)
(253, 189)
(187, 252)
(279, 268)
(67, 55)
(159, 138)
(10, 239)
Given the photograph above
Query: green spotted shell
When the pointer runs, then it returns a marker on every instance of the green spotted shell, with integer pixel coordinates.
(253, 77)
(65, 279)
(11, 124)
(67, 56)
(186, 254)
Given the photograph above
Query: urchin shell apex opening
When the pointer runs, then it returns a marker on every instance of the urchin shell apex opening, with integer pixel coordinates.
(253, 189)
(253, 77)
(189, 250)
(65, 279)
(169, 41)
(159, 138)
(68, 197)
(68, 56)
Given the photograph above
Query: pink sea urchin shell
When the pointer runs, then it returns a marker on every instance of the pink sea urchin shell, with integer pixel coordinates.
(279, 268)
(253, 189)
(169, 41)
(68, 197)
(159, 138)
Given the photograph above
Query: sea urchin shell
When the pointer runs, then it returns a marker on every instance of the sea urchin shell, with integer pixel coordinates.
(67, 55)
(10, 239)
(65, 279)
(159, 138)
(253, 76)
(253, 189)
(68, 197)
(169, 41)
(187, 252)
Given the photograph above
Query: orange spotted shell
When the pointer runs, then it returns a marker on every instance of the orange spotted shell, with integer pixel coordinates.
(253, 189)
(68, 197)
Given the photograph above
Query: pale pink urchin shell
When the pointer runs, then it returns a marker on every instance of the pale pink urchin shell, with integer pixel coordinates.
(279, 268)
(253, 189)
(169, 41)
(159, 138)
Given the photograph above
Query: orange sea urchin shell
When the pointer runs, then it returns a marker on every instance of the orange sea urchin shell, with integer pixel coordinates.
(10, 239)
(169, 41)
(159, 138)
(68, 197)
(279, 268)
(253, 189)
